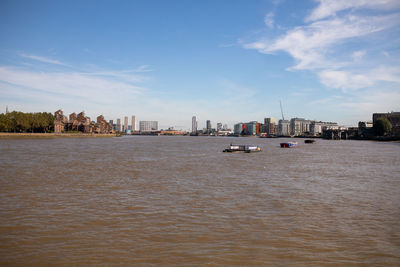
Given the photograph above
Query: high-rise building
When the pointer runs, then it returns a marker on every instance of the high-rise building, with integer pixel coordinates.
(125, 123)
(194, 124)
(133, 123)
(219, 126)
(208, 125)
(119, 125)
(148, 126)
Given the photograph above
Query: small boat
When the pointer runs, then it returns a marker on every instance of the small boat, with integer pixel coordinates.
(242, 148)
(309, 141)
(289, 144)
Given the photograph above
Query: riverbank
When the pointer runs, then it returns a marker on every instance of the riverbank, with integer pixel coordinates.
(53, 135)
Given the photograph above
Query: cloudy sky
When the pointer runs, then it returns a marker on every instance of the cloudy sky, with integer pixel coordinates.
(227, 61)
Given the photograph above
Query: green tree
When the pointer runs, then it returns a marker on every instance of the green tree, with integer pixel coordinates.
(382, 126)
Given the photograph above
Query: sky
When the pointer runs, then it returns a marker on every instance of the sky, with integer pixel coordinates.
(225, 61)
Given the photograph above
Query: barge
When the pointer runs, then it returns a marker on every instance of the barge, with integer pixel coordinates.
(242, 148)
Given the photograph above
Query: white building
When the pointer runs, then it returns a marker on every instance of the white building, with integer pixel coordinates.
(148, 126)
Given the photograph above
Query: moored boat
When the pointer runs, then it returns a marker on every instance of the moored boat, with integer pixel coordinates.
(289, 144)
(242, 148)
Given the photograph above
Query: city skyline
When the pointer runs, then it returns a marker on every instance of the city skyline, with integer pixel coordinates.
(220, 61)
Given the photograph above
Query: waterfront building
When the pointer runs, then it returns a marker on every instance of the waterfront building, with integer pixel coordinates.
(133, 128)
(270, 126)
(299, 126)
(393, 117)
(239, 128)
(249, 128)
(80, 123)
(148, 126)
(284, 128)
(194, 124)
(219, 126)
(317, 127)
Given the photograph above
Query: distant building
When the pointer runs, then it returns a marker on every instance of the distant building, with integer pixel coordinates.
(219, 126)
(125, 124)
(317, 127)
(208, 125)
(249, 128)
(119, 125)
(239, 128)
(148, 126)
(393, 117)
(270, 126)
(80, 123)
(133, 123)
(284, 128)
(194, 124)
(299, 126)
(365, 129)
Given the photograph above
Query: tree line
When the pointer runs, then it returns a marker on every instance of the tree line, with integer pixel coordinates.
(20, 122)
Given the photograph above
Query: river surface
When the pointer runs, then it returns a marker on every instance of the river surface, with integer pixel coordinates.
(180, 201)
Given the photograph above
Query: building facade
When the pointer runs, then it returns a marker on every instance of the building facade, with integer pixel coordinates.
(299, 126)
(284, 128)
(148, 126)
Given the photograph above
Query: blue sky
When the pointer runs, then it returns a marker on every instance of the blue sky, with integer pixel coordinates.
(227, 61)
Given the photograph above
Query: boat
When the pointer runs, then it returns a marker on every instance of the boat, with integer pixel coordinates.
(289, 144)
(242, 148)
(309, 141)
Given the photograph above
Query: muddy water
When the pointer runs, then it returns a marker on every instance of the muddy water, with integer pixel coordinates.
(180, 201)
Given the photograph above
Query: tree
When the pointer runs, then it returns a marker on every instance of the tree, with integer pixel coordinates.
(382, 126)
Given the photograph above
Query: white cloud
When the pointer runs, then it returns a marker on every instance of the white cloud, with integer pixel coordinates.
(328, 8)
(43, 59)
(320, 45)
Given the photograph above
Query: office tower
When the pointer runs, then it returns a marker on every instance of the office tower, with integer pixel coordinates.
(119, 125)
(111, 122)
(219, 126)
(126, 123)
(194, 124)
(148, 126)
(208, 125)
(133, 123)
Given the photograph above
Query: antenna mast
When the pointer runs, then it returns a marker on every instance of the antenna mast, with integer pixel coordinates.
(280, 102)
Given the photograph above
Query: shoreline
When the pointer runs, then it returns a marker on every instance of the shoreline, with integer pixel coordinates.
(54, 135)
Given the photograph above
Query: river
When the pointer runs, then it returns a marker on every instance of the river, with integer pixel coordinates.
(180, 201)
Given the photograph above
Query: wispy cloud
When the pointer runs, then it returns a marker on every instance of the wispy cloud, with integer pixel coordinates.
(43, 59)
(89, 87)
(320, 44)
(269, 20)
(328, 8)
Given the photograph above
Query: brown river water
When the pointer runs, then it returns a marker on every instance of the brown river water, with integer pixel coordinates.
(180, 201)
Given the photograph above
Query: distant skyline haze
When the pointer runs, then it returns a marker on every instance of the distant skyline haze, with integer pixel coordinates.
(223, 61)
